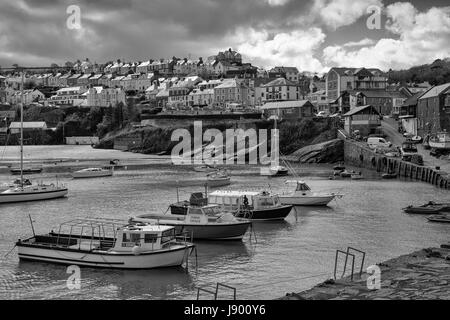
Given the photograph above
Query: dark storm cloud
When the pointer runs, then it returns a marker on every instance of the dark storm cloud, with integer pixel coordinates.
(35, 30)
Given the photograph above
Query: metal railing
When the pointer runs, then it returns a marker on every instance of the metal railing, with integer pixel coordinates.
(347, 254)
(216, 292)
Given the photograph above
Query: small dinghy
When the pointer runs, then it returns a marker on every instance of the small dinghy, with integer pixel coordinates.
(442, 218)
(389, 176)
(428, 208)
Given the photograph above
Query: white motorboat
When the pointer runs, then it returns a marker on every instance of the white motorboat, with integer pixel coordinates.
(219, 178)
(24, 192)
(207, 222)
(303, 196)
(440, 140)
(92, 173)
(274, 171)
(108, 243)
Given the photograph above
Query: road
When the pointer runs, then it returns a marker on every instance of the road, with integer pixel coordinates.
(390, 128)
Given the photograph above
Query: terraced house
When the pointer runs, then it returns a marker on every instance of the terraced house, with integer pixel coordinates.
(341, 80)
(231, 91)
(433, 110)
(281, 90)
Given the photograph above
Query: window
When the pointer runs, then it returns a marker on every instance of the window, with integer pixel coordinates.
(130, 239)
(150, 238)
(168, 235)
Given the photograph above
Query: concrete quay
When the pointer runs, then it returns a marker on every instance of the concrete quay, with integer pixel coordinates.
(359, 155)
(421, 275)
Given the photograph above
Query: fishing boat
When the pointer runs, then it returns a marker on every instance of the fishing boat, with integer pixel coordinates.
(442, 218)
(108, 243)
(440, 141)
(303, 196)
(219, 178)
(252, 205)
(428, 208)
(207, 222)
(23, 192)
(205, 168)
(92, 173)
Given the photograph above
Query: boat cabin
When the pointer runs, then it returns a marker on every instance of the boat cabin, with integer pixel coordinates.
(236, 200)
(203, 215)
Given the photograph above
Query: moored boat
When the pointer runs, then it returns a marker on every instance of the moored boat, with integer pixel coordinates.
(34, 170)
(275, 171)
(442, 218)
(207, 222)
(389, 176)
(25, 193)
(252, 205)
(428, 208)
(218, 178)
(108, 243)
(303, 196)
(92, 173)
(440, 140)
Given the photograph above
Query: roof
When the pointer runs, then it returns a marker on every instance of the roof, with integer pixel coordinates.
(29, 125)
(352, 71)
(232, 193)
(279, 82)
(412, 101)
(69, 89)
(228, 83)
(284, 70)
(286, 104)
(359, 109)
(436, 91)
(380, 94)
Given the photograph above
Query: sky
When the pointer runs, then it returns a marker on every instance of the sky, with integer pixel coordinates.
(312, 35)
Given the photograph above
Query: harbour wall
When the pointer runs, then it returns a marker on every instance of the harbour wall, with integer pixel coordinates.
(358, 155)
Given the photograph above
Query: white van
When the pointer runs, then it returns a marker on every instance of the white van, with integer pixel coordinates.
(375, 142)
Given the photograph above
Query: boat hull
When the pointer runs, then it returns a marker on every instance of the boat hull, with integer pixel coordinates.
(439, 218)
(265, 215)
(218, 182)
(306, 201)
(159, 259)
(87, 175)
(32, 196)
(425, 210)
(17, 172)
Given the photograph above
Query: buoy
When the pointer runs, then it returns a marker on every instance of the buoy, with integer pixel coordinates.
(136, 250)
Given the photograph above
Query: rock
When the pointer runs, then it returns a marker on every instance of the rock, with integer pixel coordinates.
(326, 152)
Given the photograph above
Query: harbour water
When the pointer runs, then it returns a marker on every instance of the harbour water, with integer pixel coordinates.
(288, 256)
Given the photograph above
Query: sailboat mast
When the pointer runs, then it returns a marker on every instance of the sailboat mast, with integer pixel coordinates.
(21, 130)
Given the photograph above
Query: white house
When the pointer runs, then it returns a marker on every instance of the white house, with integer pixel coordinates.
(104, 97)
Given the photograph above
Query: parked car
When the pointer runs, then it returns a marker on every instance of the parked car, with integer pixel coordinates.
(407, 150)
(323, 114)
(377, 142)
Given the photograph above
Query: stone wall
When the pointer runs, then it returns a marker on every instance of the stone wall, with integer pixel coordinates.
(361, 156)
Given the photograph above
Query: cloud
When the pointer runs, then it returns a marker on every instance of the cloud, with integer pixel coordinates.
(422, 37)
(361, 43)
(339, 13)
(296, 48)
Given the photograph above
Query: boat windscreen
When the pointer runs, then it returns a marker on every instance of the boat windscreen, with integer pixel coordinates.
(302, 187)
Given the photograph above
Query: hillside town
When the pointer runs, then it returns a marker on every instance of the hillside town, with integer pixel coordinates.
(224, 84)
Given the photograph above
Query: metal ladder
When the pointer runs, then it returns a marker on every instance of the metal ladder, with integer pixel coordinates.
(216, 292)
(352, 255)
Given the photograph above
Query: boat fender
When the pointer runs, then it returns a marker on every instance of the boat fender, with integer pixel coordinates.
(52, 184)
(136, 250)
